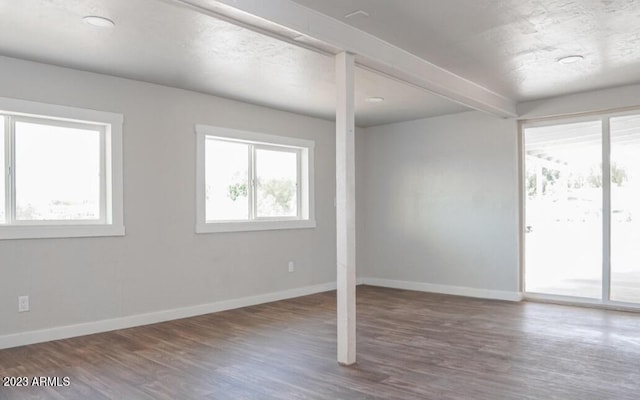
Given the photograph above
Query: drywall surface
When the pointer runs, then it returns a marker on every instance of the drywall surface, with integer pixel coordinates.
(587, 102)
(440, 203)
(161, 263)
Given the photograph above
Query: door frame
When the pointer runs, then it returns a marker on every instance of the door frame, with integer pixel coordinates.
(604, 117)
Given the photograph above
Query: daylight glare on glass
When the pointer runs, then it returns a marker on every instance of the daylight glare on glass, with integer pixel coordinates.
(3, 174)
(563, 209)
(277, 176)
(227, 180)
(625, 209)
(57, 173)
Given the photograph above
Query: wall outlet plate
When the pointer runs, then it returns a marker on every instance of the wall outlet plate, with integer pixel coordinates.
(291, 266)
(23, 303)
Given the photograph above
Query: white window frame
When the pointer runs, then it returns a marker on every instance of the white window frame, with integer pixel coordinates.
(257, 141)
(109, 126)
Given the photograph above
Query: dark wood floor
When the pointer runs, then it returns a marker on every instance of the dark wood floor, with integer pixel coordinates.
(411, 346)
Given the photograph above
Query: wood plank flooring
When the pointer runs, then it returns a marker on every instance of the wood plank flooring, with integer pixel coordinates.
(411, 346)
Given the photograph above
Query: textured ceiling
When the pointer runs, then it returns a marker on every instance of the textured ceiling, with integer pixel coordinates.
(164, 43)
(510, 46)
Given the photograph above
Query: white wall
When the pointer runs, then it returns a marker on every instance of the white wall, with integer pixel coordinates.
(586, 102)
(440, 205)
(161, 263)
(436, 198)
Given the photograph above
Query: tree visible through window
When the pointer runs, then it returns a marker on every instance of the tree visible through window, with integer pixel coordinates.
(277, 174)
(246, 181)
(227, 177)
(251, 181)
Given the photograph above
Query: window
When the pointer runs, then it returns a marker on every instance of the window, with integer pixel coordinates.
(251, 181)
(61, 171)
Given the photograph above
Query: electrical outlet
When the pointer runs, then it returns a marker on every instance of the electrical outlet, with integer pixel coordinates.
(291, 266)
(23, 303)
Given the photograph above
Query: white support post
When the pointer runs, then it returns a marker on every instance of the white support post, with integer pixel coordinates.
(345, 208)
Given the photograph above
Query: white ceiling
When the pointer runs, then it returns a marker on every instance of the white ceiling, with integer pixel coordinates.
(510, 46)
(164, 43)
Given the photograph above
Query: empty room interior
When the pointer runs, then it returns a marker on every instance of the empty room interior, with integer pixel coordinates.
(320, 199)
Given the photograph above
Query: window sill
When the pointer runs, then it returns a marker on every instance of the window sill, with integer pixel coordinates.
(248, 226)
(59, 231)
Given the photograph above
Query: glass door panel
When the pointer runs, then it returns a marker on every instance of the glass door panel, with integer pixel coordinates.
(625, 209)
(563, 209)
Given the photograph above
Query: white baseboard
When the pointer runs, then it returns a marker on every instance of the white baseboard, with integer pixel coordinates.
(89, 328)
(444, 289)
(69, 331)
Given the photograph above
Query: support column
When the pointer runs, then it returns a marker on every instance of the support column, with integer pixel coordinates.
(345, 209)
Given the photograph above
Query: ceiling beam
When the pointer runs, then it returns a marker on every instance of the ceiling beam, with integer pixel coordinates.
(315, 29)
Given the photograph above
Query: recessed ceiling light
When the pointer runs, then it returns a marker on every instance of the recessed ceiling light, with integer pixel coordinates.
(357, 13)
(374, 99)
(571, 59)
(98, 21)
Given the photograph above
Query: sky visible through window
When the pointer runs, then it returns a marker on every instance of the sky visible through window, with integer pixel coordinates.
(625, 209)
(564, 209)
(57, 172)
(227, 181)
(277, 176)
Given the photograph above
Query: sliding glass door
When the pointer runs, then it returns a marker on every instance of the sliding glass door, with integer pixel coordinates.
(625, 209)
(563, 220)
(582, 209)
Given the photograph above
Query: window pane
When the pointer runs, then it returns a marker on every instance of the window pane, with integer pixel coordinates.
(625, 209)
(57, 173)
(564, 209)
(3, 174)
(227, 180)
(277, 173)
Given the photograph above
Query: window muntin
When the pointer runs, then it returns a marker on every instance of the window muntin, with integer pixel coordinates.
(252, 181)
